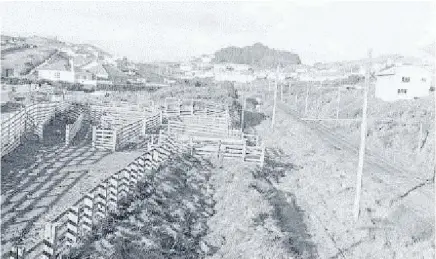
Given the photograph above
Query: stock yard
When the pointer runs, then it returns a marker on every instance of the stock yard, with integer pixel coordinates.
(171, 174)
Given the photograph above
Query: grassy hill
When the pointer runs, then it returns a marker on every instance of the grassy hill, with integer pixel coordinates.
(257, 55)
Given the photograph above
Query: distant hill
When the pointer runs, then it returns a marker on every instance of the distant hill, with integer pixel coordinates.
(24, 54)
(257, 55)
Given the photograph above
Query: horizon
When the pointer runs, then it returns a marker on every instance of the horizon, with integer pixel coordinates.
(174, 31)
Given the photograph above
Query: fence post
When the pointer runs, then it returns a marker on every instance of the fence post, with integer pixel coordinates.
(72, 226)
(100, 201)
(191, 144)
(262, 157)
(114, 139)
(112, 193)
(49, 242)
(244, 150)
(67, 134)
(219, 149)
(94, 135)
(17, 252)
(87, 214)
(161, 117)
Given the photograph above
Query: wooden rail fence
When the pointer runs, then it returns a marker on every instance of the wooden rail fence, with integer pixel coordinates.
(227, 149)
(119, 135)
(72, 129)
(80, 220)
(31, 119)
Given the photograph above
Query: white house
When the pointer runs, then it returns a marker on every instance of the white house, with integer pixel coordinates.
(58, 70)
(404, 82)
(234, 77)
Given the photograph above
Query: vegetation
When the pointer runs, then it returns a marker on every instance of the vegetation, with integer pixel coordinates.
(257, 55)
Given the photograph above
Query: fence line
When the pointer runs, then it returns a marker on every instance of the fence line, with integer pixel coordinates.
(72, 129)
(227, 149)
(30, 119)
(77, 222)
(119, 136)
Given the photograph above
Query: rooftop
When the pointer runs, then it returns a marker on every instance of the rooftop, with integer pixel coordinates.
(58, 63)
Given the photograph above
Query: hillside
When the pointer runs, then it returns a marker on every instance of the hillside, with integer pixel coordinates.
(257, 55)
(24, 54)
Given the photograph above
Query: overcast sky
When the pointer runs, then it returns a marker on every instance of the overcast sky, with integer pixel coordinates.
(148, 31)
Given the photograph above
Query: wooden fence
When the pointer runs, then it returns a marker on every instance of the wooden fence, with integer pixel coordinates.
(129, 133)
(197, 129)
(80, 220)
(72, 129)
(31, 119)
(132, 113)
(227, 149)
(120, 135)
(152, 123)
(104, 138)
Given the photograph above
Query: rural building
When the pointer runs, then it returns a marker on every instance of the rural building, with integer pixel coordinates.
(10, 72)
(60, 69)
(403, 82)
(85, 78)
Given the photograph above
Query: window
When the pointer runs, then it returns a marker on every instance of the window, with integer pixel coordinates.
(57, 75)
(402, 91)
(405, 79)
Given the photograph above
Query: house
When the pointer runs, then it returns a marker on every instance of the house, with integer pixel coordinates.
(97, 69)
(85, 78)
(60, 69)
(403, 82)
(10, 72)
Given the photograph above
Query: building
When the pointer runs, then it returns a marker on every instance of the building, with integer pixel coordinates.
(85, 78)
(403, 82)
(97, 69)
(60, 69)
(10, 72)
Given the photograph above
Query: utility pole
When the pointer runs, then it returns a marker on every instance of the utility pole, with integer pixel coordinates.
(307, 97)
(275, 99)
(434, 162)
(363, 132)
(338, 104)
(243, 113)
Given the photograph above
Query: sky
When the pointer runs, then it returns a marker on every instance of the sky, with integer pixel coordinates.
(319, 31)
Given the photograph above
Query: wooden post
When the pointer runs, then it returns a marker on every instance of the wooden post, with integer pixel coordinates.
(219, 149)
(289, 91)
(338, 104)
(419, 139)
(49, 242)
(262, 157)
(307, 97)
(281, 92)
(275, 100)
(434, 152)
(67, 134)
(244, 151)
(363, 132)
(17, 252)
(114, 139)
(94, 136)
(72, 232)
(243, 113)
